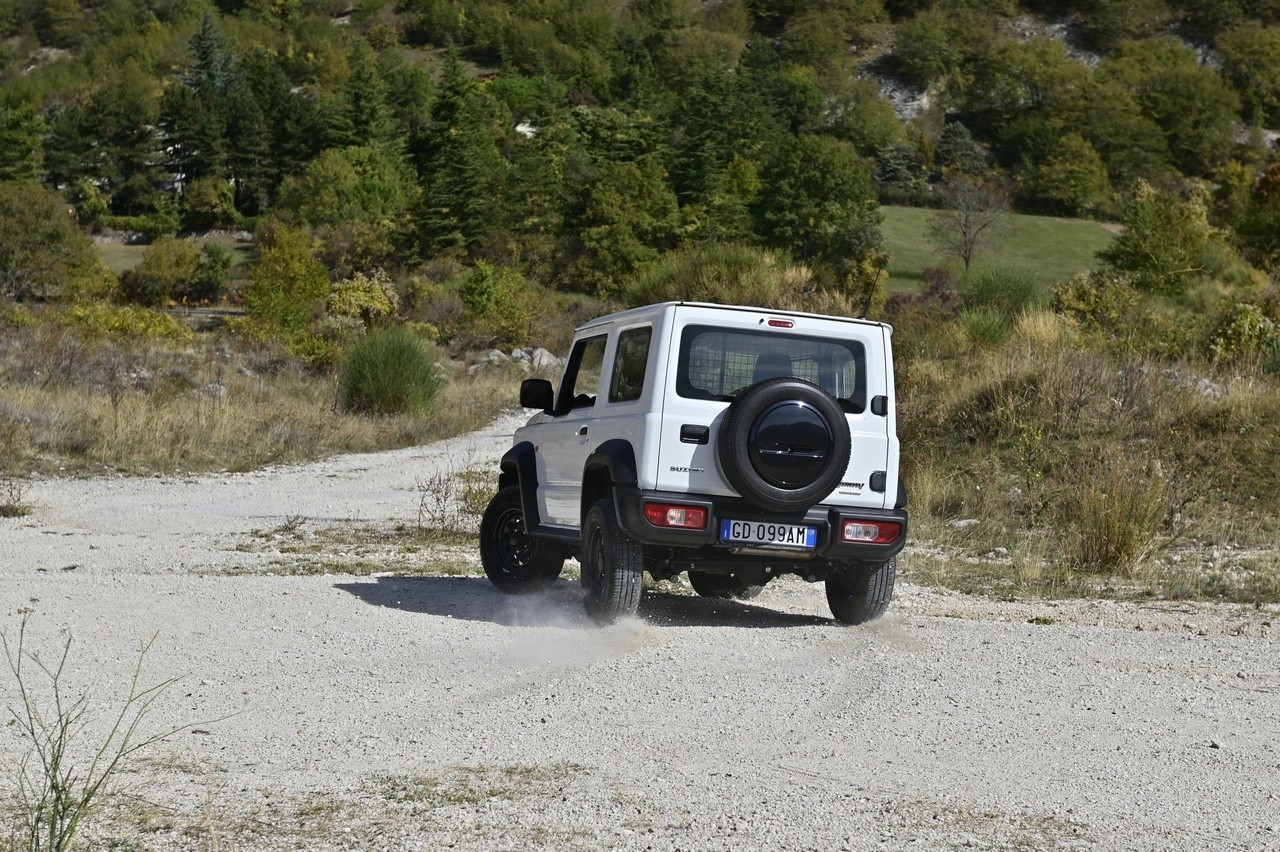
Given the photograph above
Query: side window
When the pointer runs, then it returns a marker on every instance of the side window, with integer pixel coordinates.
(629, 364)
(582, 377)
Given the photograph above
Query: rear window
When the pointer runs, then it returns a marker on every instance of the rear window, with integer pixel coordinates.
(719, 364)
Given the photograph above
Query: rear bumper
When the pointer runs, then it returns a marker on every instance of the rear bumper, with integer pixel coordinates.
(828, 520)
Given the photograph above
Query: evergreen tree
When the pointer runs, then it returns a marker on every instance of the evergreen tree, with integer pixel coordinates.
(21, 143)
(365, 117)
(196, 110)
(462, 170)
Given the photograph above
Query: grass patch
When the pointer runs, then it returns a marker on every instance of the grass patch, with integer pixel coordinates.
(363, 550)
(1048, 248)
(475, 785)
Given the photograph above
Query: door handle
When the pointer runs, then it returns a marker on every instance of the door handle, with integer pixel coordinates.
(582, 431)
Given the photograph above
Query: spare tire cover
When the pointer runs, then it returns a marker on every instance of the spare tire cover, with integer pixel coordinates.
(784, 444)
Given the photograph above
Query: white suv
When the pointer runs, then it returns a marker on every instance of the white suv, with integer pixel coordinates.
(733, 443)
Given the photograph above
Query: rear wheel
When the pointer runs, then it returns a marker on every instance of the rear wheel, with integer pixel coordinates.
(513, 560)
(612, 565)
(710, 585)
(860, 591)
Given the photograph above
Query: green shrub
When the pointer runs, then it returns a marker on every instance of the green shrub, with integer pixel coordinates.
(43, 255)
(985, 327)
(101, 321)
(502, 302)
(1004, 289)
(1097, 300)
(288, 285)
(389, 372)
(1244, 332)
(368, 298)
(727, 274)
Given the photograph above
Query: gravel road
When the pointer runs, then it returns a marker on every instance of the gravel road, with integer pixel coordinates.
(335, 711)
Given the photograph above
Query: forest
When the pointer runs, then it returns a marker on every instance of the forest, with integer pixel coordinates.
(576, 142)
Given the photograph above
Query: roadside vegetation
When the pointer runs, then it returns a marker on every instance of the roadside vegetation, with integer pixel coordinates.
(246, 234)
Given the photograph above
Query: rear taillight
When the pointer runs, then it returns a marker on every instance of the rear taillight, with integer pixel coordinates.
(870, 532)
(675, 515)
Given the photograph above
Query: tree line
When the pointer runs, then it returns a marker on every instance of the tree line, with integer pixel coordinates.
(578, 141)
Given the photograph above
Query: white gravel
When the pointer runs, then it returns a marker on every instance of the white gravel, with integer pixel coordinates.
(397, 712)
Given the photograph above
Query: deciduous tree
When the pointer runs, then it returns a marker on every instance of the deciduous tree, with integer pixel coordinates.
(973, 215)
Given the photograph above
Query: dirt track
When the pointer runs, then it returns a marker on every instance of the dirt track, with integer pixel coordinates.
(413, 712)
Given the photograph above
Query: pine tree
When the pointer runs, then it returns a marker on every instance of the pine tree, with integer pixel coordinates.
(21, 143)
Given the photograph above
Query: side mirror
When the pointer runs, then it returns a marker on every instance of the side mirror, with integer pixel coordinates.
(536, 393)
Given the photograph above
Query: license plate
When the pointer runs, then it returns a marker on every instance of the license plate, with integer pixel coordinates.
(787, 536)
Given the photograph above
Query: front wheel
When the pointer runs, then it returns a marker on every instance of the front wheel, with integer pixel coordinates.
(513, 560)
(860, 592)
(710, 585)
(612, 565)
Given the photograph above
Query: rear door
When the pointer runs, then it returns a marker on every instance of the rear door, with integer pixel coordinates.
(720, 352)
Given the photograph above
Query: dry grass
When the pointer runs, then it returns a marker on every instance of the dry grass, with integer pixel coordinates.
(1085, 475)
(68, 404)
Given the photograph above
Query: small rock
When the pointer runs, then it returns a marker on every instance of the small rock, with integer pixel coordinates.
(520, 355)
(964, 523)
(496, 356)
(1214, 744)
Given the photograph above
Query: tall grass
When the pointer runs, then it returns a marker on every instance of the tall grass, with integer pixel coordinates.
(390, 372)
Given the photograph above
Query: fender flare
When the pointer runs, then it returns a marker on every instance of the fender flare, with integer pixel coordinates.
(610, 467)
(519, 466)
(616, 456)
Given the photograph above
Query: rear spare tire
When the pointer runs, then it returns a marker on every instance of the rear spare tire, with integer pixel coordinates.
(784, 444)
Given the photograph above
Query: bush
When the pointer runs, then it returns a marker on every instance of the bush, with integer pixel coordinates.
(985, 327)
(1112, 512)
(389, 372)
(367, 298)
(288, 285)
(502, 303)
(1009, 291)
(726, 274)
(101, 321)
(43, 255)
(1243, 332)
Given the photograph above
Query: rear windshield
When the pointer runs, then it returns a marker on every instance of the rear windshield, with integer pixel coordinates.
(719, 364)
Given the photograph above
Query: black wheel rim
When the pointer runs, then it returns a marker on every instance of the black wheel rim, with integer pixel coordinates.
(514, 547)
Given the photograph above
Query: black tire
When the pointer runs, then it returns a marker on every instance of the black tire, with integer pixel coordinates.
(612, 565)
(784, 444)
(514, 561)
(723, 586)
(860, 592)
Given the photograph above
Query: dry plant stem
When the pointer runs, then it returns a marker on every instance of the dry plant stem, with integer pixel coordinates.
(56, 792)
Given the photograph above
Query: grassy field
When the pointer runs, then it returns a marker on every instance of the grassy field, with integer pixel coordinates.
(1051, 249)
(121, 256)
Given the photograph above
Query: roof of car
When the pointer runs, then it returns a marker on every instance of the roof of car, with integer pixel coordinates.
(634, 313)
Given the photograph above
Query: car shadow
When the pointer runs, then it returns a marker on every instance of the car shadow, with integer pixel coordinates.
(560, 605)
